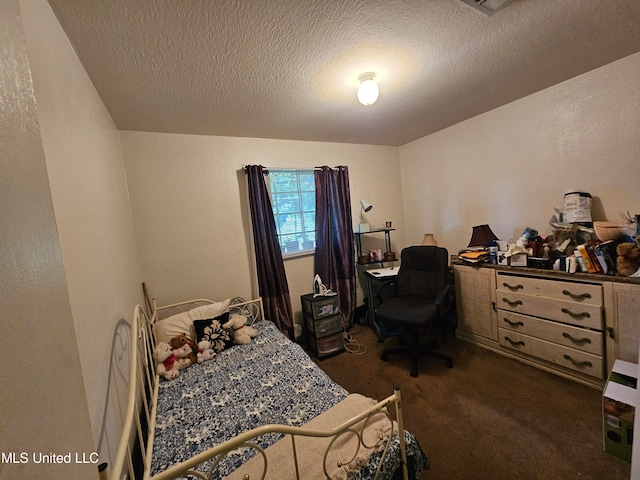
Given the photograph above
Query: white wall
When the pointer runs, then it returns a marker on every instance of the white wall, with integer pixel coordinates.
(93, 217)
(510, 167)
(188, 194)
(43, 407)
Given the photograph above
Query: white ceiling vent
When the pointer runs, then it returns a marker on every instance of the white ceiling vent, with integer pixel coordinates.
(488, 6)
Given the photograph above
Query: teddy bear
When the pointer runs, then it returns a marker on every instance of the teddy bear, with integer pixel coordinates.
(168, 363)
(241, 332)
(182, 348)
(205, 352)
(628, 260)
(183, 355)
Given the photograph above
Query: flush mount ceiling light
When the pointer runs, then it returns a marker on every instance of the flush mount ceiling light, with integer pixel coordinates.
(368, 90)
(488, 6)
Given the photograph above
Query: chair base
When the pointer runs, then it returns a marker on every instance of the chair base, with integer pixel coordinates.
(416, 349)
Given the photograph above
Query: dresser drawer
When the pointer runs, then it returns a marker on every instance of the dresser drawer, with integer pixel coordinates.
(570, 358)
(590, 341)
(582, 293)
(583, 315)
(325, 326)
(327, 345)
(321, 306)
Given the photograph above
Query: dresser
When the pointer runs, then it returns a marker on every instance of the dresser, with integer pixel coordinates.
(322, 323)
(555, 321)
(574, 325)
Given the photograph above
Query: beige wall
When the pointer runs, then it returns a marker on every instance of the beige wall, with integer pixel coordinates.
(510, 167)
(93, 217)
(189, 201)
(43, 407)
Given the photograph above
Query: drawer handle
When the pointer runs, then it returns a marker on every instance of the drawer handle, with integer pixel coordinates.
(519, 343)
(576, 340)
(585, 363)
(512, 287)
(579, 296)
(512, 304)
(576, 315)
(513, 324)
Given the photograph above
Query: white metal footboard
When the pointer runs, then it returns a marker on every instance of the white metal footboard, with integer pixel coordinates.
(133, 458)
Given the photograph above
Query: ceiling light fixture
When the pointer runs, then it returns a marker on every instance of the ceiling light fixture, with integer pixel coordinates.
(368, 90)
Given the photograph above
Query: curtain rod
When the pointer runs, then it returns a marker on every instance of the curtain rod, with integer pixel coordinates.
(244, 167)
(265, 170)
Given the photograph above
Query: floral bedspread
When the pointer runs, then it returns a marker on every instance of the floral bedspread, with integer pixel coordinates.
(270, 381)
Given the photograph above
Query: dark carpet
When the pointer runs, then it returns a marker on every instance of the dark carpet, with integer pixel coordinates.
(489, 417)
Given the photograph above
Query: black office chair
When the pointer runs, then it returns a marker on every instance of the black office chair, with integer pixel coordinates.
(421, 301)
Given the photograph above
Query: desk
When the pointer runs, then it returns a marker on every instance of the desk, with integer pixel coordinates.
(385, 273)
(377, 275)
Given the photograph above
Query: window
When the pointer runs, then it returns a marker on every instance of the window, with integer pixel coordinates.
(293, 199)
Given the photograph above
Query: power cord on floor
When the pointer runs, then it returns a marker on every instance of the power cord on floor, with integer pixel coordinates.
(352, 345)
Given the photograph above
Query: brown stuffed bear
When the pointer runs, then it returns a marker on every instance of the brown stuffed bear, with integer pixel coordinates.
(628, 261)
(180, 340)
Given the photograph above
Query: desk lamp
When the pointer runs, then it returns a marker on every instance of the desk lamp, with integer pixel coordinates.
(365, 207)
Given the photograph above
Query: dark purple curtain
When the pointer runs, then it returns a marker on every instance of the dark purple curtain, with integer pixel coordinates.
(335, 254)
(272, 280)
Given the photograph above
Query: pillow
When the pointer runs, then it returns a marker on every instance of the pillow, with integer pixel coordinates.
(211, 329)
(210, 310)
(174, 325)
(182, 322)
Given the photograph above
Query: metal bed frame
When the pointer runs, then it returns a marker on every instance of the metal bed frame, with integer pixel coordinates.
(136, 441)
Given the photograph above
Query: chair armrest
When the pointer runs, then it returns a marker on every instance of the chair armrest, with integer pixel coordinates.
(443, 299)
(384, 290)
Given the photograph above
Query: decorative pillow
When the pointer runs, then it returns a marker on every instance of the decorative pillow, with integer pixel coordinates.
(182, 322)
(211, 329)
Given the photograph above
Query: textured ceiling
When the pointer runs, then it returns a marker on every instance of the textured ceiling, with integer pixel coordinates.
(289, 68)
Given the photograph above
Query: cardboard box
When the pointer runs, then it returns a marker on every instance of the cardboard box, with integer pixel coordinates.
(519, 260)
(618, 409)
(502, 258)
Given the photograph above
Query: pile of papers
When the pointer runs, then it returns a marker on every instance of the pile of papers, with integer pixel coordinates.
(474, 255)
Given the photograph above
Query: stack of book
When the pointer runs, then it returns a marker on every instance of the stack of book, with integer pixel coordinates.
(607, 253)
(596, 257)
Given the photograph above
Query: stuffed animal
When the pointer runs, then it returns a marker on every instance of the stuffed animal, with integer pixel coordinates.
(241, 333)
(628, 260)
(168, 363)
(182, 348)
(183, 355)
(205, 352)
